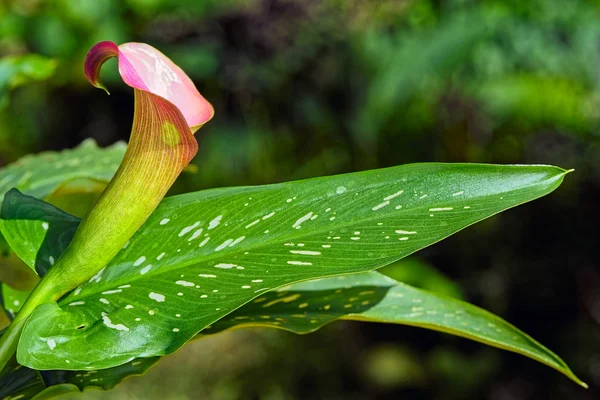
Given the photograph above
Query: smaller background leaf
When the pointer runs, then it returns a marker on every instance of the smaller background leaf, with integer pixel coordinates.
(305, 307)
(40, 174)
(38, 232)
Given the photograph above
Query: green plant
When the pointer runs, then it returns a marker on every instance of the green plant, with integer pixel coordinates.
(139, 276)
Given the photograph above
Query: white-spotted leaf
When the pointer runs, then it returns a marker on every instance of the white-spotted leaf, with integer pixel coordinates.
(202, 255)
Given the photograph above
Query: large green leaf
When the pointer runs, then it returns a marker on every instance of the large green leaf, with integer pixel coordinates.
(306, 306)
(202, 255)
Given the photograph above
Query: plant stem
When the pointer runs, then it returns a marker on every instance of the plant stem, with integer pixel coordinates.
(51, 288)
(10, 337)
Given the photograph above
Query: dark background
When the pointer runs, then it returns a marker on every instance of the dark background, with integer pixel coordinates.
(307, 88)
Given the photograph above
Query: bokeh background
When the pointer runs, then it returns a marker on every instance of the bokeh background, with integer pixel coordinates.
(304, 88)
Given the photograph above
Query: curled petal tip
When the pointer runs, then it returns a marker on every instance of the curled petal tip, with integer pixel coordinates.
(97, 56)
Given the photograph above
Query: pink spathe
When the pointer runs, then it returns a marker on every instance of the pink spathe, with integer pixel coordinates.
(143, 67)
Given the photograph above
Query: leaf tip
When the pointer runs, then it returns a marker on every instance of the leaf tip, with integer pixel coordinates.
(578, 381)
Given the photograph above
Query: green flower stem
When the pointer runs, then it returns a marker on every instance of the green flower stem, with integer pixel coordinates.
(10, 338)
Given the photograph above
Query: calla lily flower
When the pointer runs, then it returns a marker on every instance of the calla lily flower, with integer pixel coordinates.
(143, 67)
(168, 110)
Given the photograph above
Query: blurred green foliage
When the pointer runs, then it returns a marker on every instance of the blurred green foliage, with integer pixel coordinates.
(419, 273)
(303, 88)
(16, 71)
